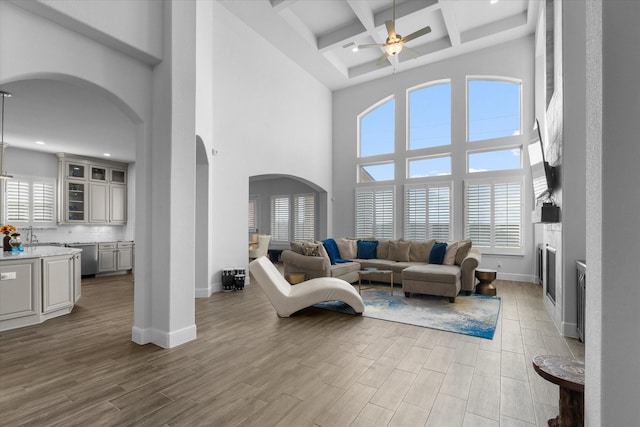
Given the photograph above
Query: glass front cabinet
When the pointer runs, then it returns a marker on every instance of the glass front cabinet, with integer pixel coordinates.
(92, 191)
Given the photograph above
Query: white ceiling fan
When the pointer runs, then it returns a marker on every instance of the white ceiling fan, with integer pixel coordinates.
(395, 42)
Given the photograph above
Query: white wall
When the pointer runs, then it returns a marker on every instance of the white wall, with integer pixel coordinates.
(613, 197)
(269, 117)
(513, 59)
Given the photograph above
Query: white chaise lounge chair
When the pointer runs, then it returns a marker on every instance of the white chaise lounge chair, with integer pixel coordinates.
(287, 299)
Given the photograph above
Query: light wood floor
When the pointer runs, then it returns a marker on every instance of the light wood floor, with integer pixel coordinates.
(250, 368)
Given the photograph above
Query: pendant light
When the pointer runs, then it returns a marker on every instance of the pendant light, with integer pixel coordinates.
(3, 173)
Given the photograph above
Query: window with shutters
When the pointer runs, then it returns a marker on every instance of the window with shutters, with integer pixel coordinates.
(280, 218)
(29, 201)
(428, 212)
(253, 213)
(374, 212)
(493, 214)
(304, 217)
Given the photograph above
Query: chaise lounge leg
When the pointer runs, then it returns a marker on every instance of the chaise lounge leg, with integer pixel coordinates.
(407, 294)
(452, 299)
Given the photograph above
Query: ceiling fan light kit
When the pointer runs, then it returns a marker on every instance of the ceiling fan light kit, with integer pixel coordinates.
(395, 42)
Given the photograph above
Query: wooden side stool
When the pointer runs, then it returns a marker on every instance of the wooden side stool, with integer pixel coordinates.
(295, 278)
(569, 375)
(486, 278)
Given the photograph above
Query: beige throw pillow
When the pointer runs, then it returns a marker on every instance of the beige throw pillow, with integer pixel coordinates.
(463, 250)
(382, 251)
(450, 256)
(348, 248)
(399, 251)
(420, 250)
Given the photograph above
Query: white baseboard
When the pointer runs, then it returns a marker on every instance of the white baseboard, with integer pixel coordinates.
(203, 292)
(569, 329)
(516, 277)
(163, 339)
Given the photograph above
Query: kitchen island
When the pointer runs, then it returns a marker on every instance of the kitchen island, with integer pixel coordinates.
(40, 283)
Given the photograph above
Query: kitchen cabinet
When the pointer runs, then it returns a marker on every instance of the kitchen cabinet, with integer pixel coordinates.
(19, 288)
(107, 257)
(57, 283)
(40, 283)
(91, 191)
(124, 256)
(77, 276)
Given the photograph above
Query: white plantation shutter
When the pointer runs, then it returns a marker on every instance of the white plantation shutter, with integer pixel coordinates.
(253, 215)
(17, 199)
(29, 200)
(374, 212)
(493, 213)
(507, 215)
(415, 213)
(428, 213)
(304, 209)
(43, 202)
(280, 218)
(440, 212)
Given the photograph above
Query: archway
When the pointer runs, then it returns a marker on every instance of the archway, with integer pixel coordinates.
(201, 238)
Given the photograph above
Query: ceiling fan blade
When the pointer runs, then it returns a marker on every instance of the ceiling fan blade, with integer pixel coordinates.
(410, 52)
(364, 46)
(391, 28)
(422, 32)
(382, 59)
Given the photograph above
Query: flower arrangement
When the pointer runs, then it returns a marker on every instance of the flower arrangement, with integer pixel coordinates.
(8, 229)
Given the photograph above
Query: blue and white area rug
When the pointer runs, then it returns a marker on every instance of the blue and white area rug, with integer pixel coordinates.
(475, 315)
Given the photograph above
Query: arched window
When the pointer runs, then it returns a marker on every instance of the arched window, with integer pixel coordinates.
(377, 130)
(493, 108)
(430, 116)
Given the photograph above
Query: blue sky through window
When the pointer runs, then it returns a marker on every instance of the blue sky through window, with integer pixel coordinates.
(494, 109)
(377, 130)
(495, 160)
(430, 166)
(430, 116)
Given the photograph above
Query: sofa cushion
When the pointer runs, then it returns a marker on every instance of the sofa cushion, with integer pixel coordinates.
(367, 249)
(382, 250)
(347, 247)
(450, 255)
(380, 264)
(399, 250)
(296, 247)
(332, 250)
(432, 273)
(437, 253)
(463, 250)
(420, 250)
(344, 268)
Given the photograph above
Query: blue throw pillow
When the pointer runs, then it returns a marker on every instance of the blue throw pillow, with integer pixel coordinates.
(367, 249)
(332, 249)
(438, 252)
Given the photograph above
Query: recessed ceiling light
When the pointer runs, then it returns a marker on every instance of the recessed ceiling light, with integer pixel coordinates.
(39, 142)
(107, 155)
(493, 1)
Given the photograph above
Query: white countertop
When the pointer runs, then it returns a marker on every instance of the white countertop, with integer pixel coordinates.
(38, 252)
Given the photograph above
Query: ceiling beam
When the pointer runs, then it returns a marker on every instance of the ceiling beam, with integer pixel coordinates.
(280, 5)
(494, 28)
(341, 36)
(449, 17)
(403, 9)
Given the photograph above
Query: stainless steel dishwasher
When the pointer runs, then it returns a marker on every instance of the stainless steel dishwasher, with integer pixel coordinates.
(89, 265)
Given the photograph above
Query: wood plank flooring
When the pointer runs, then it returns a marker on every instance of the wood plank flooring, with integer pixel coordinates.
(250, 368)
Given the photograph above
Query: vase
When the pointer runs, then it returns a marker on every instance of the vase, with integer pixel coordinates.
(5, 243)
(15, 243)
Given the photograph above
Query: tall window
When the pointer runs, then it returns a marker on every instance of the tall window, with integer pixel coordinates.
(430, 116)
(374, 212)
(428, 211)
(493, 213)
(280, 218)
(30, 201)
(377, 128)
(304, 217)
(493, 109)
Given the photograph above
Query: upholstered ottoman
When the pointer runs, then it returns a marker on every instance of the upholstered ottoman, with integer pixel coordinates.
(432, 279)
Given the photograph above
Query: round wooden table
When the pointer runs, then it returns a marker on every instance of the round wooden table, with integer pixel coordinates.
(486, 278)
(569, 375)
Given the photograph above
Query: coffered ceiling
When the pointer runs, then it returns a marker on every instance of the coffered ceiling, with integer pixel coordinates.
(319, 35)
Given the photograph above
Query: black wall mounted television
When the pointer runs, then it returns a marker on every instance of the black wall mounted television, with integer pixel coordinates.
(543, 175)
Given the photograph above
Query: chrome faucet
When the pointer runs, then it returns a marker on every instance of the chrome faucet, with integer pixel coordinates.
(31, 238)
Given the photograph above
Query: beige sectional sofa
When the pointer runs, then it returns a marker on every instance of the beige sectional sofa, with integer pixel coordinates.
(409, 261)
